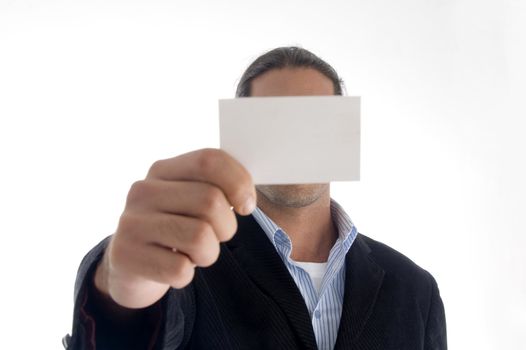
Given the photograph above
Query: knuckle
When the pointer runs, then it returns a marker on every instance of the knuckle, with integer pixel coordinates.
(128, 223)
(228, 226)
(138, 191)
(232, 228)
(211, 255)
(213, 199)
(204, 249)
(201, 234)
(155, 168)
(208, 159)
(206, 256)
(180, 267)
(182, 274)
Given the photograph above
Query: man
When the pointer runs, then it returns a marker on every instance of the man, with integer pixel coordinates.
(296, 275)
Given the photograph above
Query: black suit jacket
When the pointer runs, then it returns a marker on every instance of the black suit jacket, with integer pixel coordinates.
(248, 300)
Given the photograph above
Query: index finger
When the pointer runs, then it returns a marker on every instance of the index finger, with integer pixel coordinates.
(212, 166)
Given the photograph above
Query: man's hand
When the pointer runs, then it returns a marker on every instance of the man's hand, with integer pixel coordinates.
(174, 221)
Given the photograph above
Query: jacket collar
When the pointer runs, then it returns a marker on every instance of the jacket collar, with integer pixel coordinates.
(256, 254)
(363, 278)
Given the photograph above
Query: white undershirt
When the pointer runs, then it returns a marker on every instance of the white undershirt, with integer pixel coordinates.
(316, 272)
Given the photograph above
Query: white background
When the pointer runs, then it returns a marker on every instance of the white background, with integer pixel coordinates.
(92, 92)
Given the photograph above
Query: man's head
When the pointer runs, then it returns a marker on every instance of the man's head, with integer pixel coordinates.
(283, 58)
(290, 71)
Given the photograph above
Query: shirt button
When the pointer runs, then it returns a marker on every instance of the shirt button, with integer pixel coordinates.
(317, 314)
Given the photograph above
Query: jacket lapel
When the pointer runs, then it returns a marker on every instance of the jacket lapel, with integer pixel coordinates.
(254, 251)
(363, 279)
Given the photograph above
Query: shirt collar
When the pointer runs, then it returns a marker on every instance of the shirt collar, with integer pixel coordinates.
(346, 229)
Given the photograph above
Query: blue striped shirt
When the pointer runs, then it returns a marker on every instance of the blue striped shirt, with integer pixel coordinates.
(325, 309)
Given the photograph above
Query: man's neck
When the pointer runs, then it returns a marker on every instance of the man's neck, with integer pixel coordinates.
(310, 228)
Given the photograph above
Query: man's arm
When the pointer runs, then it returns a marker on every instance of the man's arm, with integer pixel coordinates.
(100, 323)
(173, 221)
(117, 327)
(436, 334)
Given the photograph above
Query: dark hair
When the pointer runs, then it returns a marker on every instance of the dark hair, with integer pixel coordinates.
(282, 57)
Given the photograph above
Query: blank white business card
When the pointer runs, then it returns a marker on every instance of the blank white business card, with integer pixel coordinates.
(293, 140)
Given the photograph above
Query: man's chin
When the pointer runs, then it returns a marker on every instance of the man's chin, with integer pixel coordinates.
(294, 196)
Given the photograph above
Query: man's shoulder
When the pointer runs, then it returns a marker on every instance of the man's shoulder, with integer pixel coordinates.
(404, 291)
(396, 265)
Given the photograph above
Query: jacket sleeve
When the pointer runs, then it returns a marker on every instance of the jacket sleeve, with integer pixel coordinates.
(436, 333)
(165, 325)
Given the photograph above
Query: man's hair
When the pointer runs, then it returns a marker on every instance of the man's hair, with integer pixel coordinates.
(286, 57)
